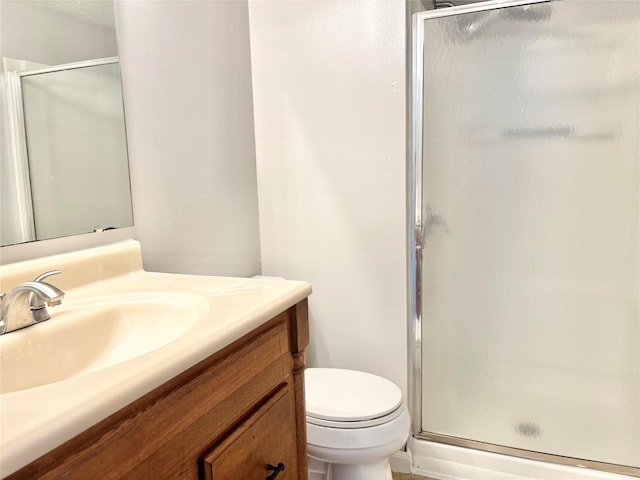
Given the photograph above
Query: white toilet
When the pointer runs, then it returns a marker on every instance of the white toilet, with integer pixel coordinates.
(355, 423)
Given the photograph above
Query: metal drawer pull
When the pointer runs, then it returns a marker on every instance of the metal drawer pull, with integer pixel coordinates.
(276, 471)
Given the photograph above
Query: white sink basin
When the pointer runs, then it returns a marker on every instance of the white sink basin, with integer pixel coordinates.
(119, 333)
(86, 336)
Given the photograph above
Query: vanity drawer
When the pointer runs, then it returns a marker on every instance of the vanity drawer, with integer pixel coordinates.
(263, 441)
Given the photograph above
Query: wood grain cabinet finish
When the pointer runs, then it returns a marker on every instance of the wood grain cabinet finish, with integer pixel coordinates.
(261, 447)
(228, 417)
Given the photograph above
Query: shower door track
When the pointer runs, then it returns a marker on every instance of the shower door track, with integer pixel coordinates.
(416, 239)
(528, 454)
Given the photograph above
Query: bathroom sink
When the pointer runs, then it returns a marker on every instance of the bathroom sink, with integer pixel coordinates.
(86, 336)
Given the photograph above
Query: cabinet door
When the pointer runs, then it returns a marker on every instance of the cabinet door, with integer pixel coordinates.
(266, 438)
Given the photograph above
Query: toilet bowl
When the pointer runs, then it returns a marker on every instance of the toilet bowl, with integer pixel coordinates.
(355, 423)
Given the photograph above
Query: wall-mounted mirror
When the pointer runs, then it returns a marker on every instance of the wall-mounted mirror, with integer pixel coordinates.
(63, 165)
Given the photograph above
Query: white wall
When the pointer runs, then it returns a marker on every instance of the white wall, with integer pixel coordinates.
(329, 105)
(188, 107)
(54, 33)
(330, 121)
(186, 76)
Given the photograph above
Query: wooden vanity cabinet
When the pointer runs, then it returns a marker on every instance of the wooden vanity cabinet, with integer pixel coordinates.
(232, 416)
(262, 446)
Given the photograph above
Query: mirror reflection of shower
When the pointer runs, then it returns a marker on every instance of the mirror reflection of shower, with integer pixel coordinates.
(67, 129)
(37, 35)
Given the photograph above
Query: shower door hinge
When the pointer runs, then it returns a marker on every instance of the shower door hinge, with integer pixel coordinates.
(419, 236)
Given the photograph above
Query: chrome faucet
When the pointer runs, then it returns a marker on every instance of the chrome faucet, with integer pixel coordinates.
(27, 302)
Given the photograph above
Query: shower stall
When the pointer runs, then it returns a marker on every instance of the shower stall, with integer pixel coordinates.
(525, 235)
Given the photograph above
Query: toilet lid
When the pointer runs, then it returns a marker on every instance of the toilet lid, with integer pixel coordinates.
(340, 395)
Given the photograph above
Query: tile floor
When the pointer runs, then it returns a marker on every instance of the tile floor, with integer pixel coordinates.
(408, 476)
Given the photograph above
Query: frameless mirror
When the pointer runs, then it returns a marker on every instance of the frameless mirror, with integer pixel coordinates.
(63, 165)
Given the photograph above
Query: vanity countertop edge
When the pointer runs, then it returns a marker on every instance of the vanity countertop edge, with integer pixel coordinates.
(36, 420)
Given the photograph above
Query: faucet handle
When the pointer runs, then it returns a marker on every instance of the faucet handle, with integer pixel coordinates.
(37, 304)
(44, 275)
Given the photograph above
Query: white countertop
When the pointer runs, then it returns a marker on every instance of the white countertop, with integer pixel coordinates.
(35, 420)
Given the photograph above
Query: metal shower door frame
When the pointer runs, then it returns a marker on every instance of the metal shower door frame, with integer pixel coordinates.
(416, 239)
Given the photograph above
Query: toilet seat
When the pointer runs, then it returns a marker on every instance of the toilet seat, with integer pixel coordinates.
(355, 422)
(339, 398)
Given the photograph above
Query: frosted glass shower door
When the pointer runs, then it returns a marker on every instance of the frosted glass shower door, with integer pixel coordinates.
(530, 211)
(77, 149)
